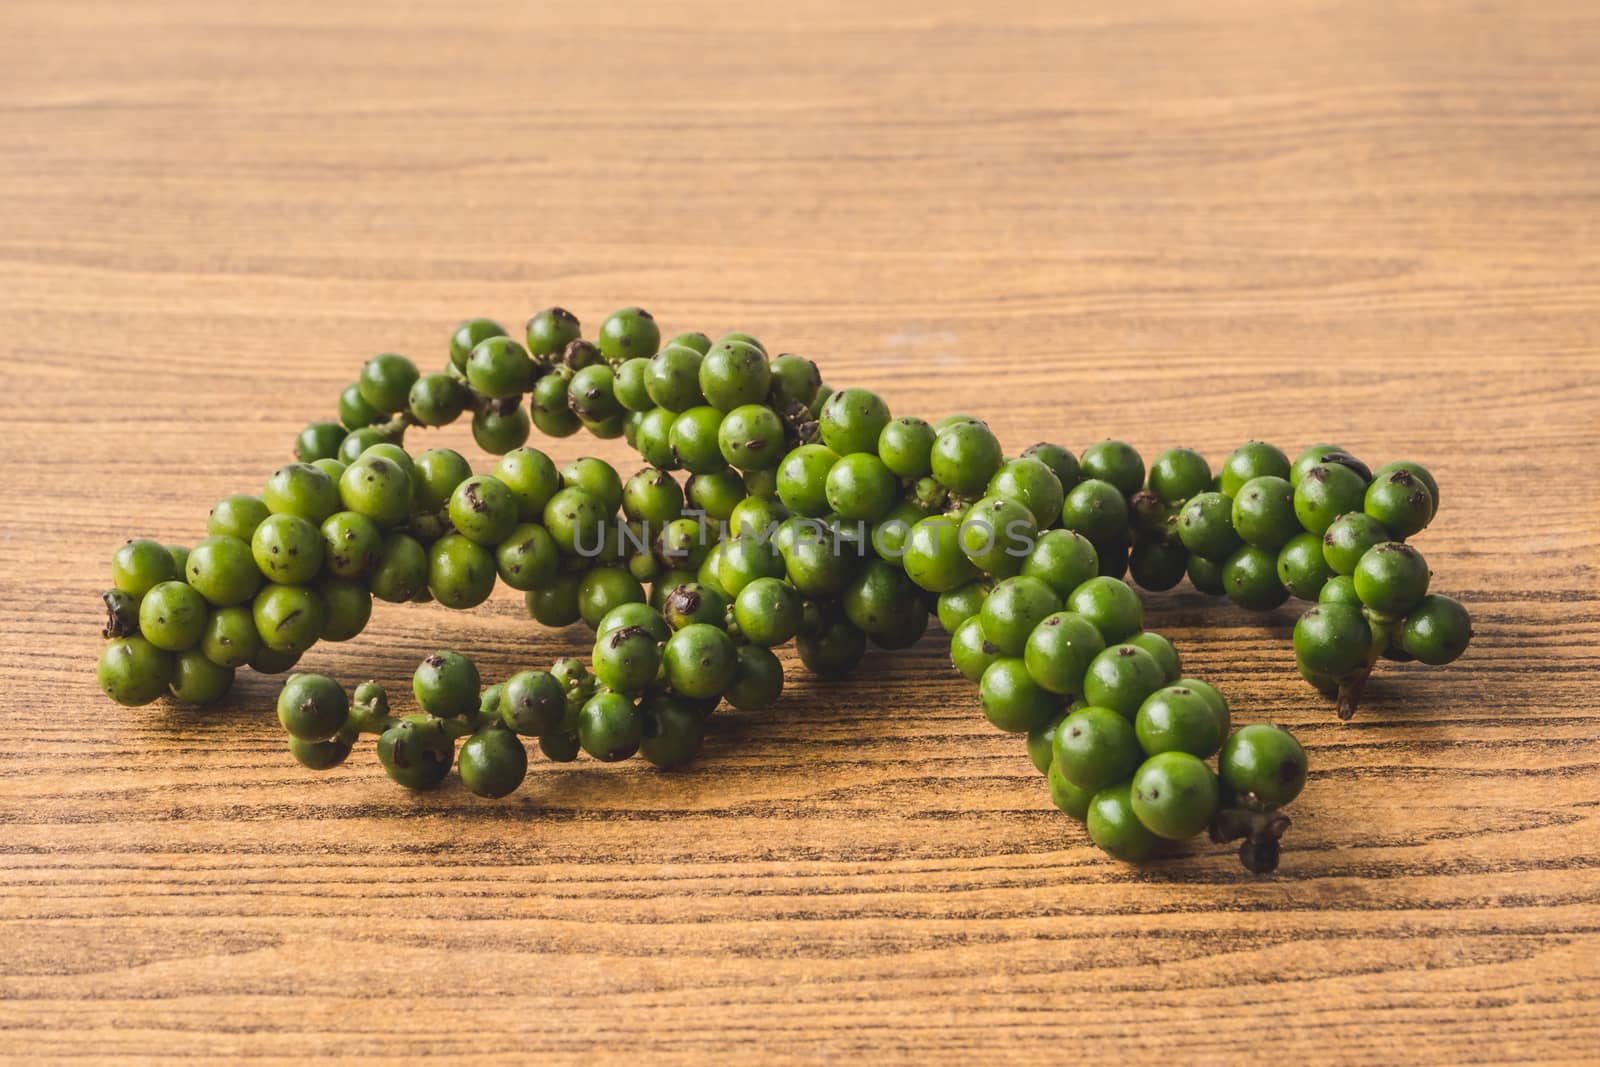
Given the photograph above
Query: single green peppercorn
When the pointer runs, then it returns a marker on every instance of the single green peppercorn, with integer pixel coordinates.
(1418, 471)
(1095, 747)
(550, 331)
(492, 762)
(1115, 828)
(757, 679)
(1059, 650)
(133, 672)
(287, 549)
(1060, 461)
(1264, 762)
(533, 703)
(1435, 631)
(399, 569)
(1253, 459)
(461, 573)
(1013, 609)
(716, 494)
(172, 616)
(1206, 576)
(1162, 650)
(321, 755)
(1332, 640)
(1121, 677)
(140, 565)
(1178, 474)
(767, 611)
(860, 486)
(468, 335)
(1157, 564)
(1302, 567)
(1096, 509)
(312, 707)
(794, 380)
(223, 570)
(1264, 512)
(700, 661)
(673, 730)
(1011, 699)
(672, 378)
(1174, 795)
(628, 385)
(802, 479)
(592, 393)
(1205, 526)
(386, 382)
(1401, 501)
(852, 420)
(1062, 559)
(416, 752)
(230, 637)
(548, 406)
(750, 437)
(1113, 608)
(956, 606)
(377, 487)
(734, 373)
(358, 441)
(354, 411)
(1340, 589)
(1032, 484)
(1250, 578)
(965, 457)
(1347, 539)
(693, 439)
(1068, 798)
(906, 447)
(628, 332)
(833, 650)
(933, 557)
(348, 606)
(320, 440)
(446, 684)
(1327, 491)
(436, 399)
(610, 727)
(970, 652)
(1326, 454)
(232, 516)
(1178, 719)
(483, 510)
(605, 588)
(1116, 462)
(1391, 578)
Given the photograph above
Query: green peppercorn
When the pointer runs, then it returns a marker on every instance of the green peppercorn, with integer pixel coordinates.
(1174, 795)
(965, 457)
(232, 516)
(551, 331)
(1178, 474)
(1116, 462)
(1115, 828)
(492, 762)
(1253, 459)
(1302, 566)
(628, 332)
(461, 573)
(132, 671)
(1250, 578)
(1113, 608)
(1265, 762)
(312, 707)
(1391, 578)
(1435, 631)
(416, 752)
(1011, 699)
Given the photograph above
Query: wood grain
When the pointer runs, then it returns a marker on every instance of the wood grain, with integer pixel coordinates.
(1178, 224)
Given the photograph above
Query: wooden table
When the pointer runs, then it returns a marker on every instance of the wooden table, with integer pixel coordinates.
(1172, 223)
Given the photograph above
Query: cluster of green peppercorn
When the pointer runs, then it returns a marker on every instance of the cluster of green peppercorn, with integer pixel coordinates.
(806, 514)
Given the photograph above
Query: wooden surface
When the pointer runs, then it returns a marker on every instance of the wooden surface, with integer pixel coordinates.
(1173, 223)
